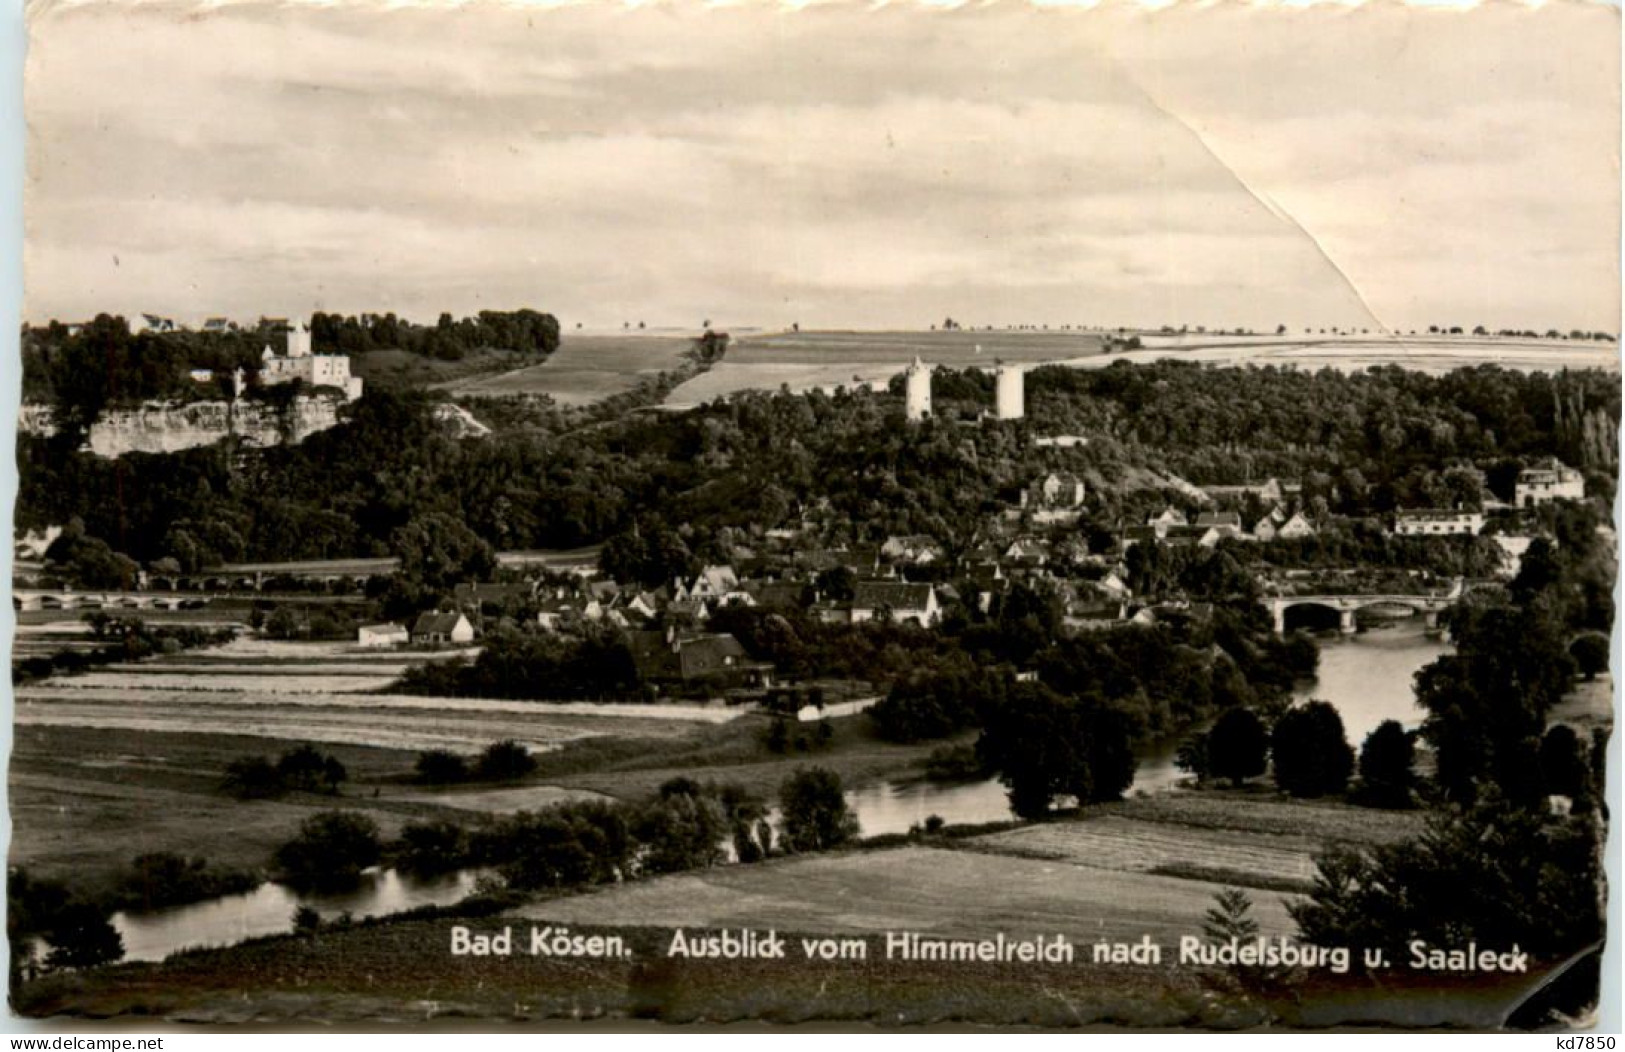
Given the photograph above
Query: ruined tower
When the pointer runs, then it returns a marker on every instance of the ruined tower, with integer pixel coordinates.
(917, 390)
(1011, 392)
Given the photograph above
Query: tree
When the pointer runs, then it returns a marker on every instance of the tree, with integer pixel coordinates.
(1496, 873)
(308, 769)
(439, 551)
(1563, 766)
(1487, 702)
(82, 937)
(1590, 651)
(1386, 760)
(251, 778)
(682, 828)
(1045, 745)
(1192, 756)
(1237, 746)
(331, 850)
(813, 812)
(1310, 751)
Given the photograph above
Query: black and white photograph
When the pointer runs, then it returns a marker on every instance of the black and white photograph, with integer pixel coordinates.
(989, 515)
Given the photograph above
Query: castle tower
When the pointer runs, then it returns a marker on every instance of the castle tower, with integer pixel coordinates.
(1011, 392)
(917, 388)
(298, 342)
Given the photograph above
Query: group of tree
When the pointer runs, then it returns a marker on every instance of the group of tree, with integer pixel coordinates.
(118, 638)
(1307, 750)
(525, 332)
(502, 761)
(1493, 873)
(685, 825)
(304, 769)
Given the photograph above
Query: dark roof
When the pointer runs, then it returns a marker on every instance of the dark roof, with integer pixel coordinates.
(434, 624)
(870, 595)
(1219, 518)
(700, 657)
(491, 593)
(784, 595)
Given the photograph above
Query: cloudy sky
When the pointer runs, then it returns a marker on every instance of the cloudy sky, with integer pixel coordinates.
(835, 165)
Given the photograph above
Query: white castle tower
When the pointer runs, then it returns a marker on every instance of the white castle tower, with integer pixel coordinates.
(917, 390)
(1011, 392)
(298, 342)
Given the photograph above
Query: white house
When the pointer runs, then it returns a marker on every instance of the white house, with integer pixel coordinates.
(906, 602)
(1548, 480)
(1297, 526)
(388, 635)
(1433, 522)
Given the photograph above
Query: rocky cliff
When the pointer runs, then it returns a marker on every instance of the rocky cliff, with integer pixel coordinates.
(160, 427)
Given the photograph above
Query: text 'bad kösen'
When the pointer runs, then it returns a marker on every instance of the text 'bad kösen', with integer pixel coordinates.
(1191, 951)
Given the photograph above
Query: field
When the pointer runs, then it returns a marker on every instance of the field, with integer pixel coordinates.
(589, 368)
(1117, 872)
(584, 369)
(125, 759)
(1429, 354)
(803, 361)
(129, 758)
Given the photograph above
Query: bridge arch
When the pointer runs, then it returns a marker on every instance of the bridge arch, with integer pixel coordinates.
(1313, 613)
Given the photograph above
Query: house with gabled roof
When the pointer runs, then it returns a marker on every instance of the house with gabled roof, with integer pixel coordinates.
(915, 603)
(435, 628)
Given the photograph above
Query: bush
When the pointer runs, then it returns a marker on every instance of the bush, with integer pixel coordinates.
(813, 811)
(251, 778)
(504, 761)
(331, 850)
(433, 847)
(441, 767)
(162, 878)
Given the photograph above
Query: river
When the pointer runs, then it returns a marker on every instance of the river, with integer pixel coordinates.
(1368, 678)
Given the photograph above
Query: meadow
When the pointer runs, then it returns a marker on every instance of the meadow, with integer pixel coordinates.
(585, 369)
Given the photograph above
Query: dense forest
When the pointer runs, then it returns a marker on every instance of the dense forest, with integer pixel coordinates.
(842, 466)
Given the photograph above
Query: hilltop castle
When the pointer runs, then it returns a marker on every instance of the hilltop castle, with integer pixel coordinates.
(316, 370)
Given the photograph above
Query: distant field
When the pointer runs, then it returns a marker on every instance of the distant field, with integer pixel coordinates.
(1429, 354)
(803, 361)
(584, 369)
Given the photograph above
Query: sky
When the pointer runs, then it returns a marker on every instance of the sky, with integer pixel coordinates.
(832, 165)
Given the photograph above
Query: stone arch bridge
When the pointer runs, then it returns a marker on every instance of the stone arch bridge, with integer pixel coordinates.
(1428, 604)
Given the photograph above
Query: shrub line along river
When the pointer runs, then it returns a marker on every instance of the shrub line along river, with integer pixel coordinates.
(1368, 678)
